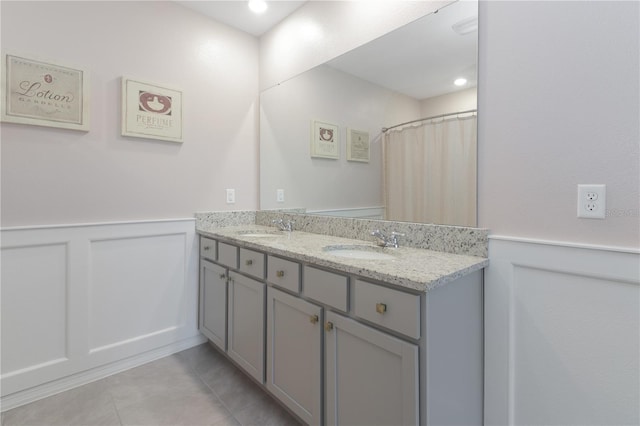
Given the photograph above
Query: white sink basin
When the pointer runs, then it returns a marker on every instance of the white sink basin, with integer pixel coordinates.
(359, 252)
(260, 234)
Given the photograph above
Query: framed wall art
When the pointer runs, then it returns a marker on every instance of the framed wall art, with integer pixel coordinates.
(44, 93)
(358, 146)
(151, 111)
(325, 141)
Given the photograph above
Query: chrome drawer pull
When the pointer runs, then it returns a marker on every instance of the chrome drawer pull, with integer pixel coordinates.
(223, 276)
(249, 262)
(381, 308)
(206, 248)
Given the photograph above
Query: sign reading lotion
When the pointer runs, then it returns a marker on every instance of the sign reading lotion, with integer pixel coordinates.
(151, 111)
(44, 94)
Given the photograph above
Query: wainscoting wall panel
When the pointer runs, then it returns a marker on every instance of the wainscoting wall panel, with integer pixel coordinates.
(562, 334)
(81, 302)
(34, 286)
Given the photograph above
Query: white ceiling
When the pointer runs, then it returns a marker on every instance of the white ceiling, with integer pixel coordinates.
(237, 14)
(420, 59)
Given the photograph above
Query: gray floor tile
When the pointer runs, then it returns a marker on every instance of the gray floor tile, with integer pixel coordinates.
(199, 386)
(201, 358)
(87, 405)
(221, 375)
(240, 393)
(231, 421)
(175, 409)
(265, 413)
(161, 379)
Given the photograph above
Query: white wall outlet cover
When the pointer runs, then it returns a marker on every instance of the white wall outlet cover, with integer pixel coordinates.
(592, 201)
(280, 195)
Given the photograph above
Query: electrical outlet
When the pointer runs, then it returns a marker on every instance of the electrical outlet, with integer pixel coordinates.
(592, 201)
(280, 195)
(231, 196)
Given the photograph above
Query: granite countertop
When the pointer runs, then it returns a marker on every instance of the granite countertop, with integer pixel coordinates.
(411, 268)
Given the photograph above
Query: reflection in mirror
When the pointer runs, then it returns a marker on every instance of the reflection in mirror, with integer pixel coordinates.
(420, 172)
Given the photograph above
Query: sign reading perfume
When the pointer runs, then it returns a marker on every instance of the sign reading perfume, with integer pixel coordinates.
(151, 111)
(325, 141)
(44, 94)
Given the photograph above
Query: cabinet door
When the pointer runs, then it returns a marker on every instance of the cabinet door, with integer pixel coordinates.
(213, 303)
(246, 324)
(294, 338)
(371, 377)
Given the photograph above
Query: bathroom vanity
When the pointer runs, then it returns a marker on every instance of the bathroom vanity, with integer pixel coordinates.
(344, 332)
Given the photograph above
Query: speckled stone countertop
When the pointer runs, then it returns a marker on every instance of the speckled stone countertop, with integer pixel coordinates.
(415, 269)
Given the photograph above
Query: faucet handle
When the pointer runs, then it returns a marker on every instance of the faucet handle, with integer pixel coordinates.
(284, 226)
(381, 239)
(393, 240)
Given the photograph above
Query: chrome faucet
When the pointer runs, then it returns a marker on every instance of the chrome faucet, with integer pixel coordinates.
(284, 226)
(386, 241)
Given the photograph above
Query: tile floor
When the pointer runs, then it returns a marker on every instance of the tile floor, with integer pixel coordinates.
(198, 386)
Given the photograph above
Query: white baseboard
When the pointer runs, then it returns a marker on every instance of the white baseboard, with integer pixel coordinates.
(66, 383)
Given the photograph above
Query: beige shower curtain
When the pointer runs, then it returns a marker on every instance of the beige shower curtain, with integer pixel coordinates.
(430, 172)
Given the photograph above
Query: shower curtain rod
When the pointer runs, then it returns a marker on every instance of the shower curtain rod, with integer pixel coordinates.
(384, 129)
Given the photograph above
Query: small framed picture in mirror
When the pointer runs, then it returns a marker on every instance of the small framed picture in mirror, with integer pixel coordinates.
(325, 140)
(358, 145)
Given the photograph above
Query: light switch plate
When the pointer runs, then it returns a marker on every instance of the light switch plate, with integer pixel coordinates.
(231, 196)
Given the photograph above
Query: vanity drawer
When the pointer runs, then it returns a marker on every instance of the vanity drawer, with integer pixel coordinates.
(252, 263)
(326, 287)
(208, 248)
(388, 308)
(283, 273)
(228, 255)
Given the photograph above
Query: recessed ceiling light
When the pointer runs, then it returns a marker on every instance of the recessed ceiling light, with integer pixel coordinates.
(460, 81)
(257, 6)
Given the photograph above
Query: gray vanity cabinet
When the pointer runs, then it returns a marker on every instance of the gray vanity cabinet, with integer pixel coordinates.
(294, 354)
(232, 305)
(371, 377)
(341, 349)
(213, 303)
(246, 324)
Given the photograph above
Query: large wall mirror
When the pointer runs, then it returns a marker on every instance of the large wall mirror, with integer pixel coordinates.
(322, 145)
